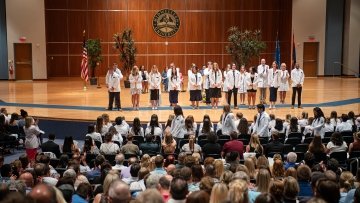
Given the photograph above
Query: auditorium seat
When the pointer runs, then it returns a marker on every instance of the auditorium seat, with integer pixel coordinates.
(347, 133)
(287, 148)
(182, 142)
(308, 140)
(139, 139)
(244, 141)
(348, 139)
(202, 137)
(354, 154)
(224, 137)
(215, 156)
(296, 135)
(328, 134)
(293, 141)
(302, 148)
(201, 143)
(222, 142)
(300, 156)
(341, 157)
(110, 158)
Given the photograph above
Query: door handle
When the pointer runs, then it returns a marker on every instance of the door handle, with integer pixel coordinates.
(23, 63)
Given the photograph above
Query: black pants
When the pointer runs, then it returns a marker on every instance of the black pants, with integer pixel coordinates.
(207, 96)
(294, 90)
(116, 96)
(230, 92)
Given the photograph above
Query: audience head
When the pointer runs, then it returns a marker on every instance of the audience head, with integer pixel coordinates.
(263, 180)
(206, 184)
(346, 181)
(219, 193)
(277, 189)
(234, 135)
(119, 192)
(266, 198)
(238, 191)
(42, 193)
(291, 188)
(178, 189)
(291, 171)
(198, 196)
(134, 169)
(150, 196)
(304, 173)
(260, 108)
(328, 190)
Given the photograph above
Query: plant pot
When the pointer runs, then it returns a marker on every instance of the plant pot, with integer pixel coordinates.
(127, 83)
(93, 81)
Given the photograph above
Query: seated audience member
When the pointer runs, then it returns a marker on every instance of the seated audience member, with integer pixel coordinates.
(328, 190)
(96, 171)
(51, 146)
(211, 147)
(181, 160)
(119, 160)
(108, 147)
(168, 144)
(206, 126)
(279, 126)
(255, 145)
(178, 190)
(70, 146)
(355, 146)
(291, 160)
(191, 147)
(304, 178)
(263, 180)
(28, 179)
(93, 134)
(90, 146)
(164, 187)
(293, 127)
(149, 146)
(303, 121)
(278, 170)
(291, 190)
(159, 169)
(150, 195)
(42, 172)
(121, 126)
(238, 191)
(119, 192)
(336, 144)
(154, 127)
(275, 145)
(308, 129)
(344, 125)
(328, 126)
(125, 172)
(219, 193)
(129, 147)
(233, 145)
(134, 174)
(116, 135)
(137, 129)
(43, 193)
(198, 196)
(316, 146)
(140, 184)
(83, 193)
(346, 183)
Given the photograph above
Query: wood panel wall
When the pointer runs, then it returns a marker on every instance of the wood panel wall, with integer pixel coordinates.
(202, 35)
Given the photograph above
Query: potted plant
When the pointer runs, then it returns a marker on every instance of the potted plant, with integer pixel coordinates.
(243, 45)
(127, 52)
(93, 47)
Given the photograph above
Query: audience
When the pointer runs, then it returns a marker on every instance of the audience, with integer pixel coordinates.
(51, 146)
(109, 147)
(336, 144)
(233, 145)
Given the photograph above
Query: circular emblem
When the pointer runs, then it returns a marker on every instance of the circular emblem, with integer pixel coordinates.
(166, 23)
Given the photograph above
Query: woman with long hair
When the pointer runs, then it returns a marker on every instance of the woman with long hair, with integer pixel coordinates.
(116, 136)
(154, 83)
(318, 122)
(154, 127)
(174, 87)
(168, 123)
(191, 147)
(168, 144)
(238, 191)
(274, 82)
(279, 126)
(215, 85)
(145, 77)
(195, 87)
(32, 132)
(243, 127)
(121, 126)
(227, 121)
(90, 146)
(255, 145)
(263, 181)
(69, 146)
(177, 125)
(99, 124)
(219, 193)
(137, 129)
(316, 146)
(106, 123)
(278, 170)
(95, 136)
(334, 118)
(293, 127)
(336, 144)
(242, 86)
(108, 147)
(355, 146)
(250, 165)
(190, 125)
(135, 87)
(251, 82)
(284, 83)
(206, 127)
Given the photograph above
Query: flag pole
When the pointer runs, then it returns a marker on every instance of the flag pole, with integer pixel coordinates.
(84, 80)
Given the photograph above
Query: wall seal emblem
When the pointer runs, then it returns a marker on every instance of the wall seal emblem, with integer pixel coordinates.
(166, 23)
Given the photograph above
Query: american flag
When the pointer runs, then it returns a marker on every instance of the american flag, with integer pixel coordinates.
(84, 64)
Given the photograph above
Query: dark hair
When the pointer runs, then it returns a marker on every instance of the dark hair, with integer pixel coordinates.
(333, 114)
(243, 126)
(265, 198)
(68, 143)
(14, 116)
(23, 113)
(260, 106)
(294, 124)
(100, 159)
(234, 135)
(84, 190)
(88, 143)
(99, 124)
(304, 173)
(337, 139)
(198, 196)
(154, 122)
(164, 182)
(108, 137)
(351, 115)
(63, 161)
(318, 113)
(136, 128)
(91, 128)
(159, 161)
(174, 75)
(6, 170)
(212, 137)
(118, 120)
(178, 189)
(178, 110)
(23, 159)
(51, 136)
(189, 124)
(278, 124)
(134, 169)
(197, 172)
(328, 190)
(206, 126)
(316, 145)
(344, 117)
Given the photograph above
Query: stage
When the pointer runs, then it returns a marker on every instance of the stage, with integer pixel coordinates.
(65, 98)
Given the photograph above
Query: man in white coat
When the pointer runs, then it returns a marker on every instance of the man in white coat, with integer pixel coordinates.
(261, 127)
(116, 70)
(113, 85)
(297, 81)
(262, 71)
(233, 82)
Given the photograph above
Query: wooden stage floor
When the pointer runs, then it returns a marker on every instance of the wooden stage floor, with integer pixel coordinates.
(65, 98)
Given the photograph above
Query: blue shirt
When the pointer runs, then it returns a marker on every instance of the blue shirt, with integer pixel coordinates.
(91, 175)
(77, 199)
(305, 189)
(289, 164)
(159, 171)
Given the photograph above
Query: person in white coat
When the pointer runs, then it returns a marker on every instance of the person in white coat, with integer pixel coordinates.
(107, 77)
(261, 127)
(233, 77)
(227, 121)
(242, 85)
(284, 83)
(177, 129)
(317, 126)
(273, 81)
(262, 71)
(207, 85)
(145, 79)
(174, 87)
(135, 87)
(215, 85)
(195, 87)
(225, 84)
(154, 83)
(113, 86)
(251, 87)
(297, 82)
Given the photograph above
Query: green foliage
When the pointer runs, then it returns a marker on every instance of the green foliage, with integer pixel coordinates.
(93, 47)
(243, 45)
(127, 50)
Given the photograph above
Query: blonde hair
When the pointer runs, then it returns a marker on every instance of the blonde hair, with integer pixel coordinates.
(154, 69)
(238, 191)
(106, 118)
(346, 180)
(263, 180)
(145, 160)
(250, 165)
(219, 168)
(197, 157)
(28, 121)
(262, 161)
(291, 188)
(226, 177)
(135, 70)
(110, 178)
(219, 193)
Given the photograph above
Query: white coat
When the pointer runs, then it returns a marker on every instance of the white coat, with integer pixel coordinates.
(262, 71)
(135, 81)
(114, 83)
(227, 124)
(194, 81)
(154, 80)
(207, 73)
(318, 126)
(284, 80)
(233, 77)
(174, 83)
(253, 85)
(225, 84)
(177, 129)
(262, 125)
(242, 82)
(273, 78)
(117, 71)
(297, 77)
(215, 83)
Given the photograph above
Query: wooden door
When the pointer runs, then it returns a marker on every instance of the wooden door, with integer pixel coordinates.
(23, 61)
(311, 58)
